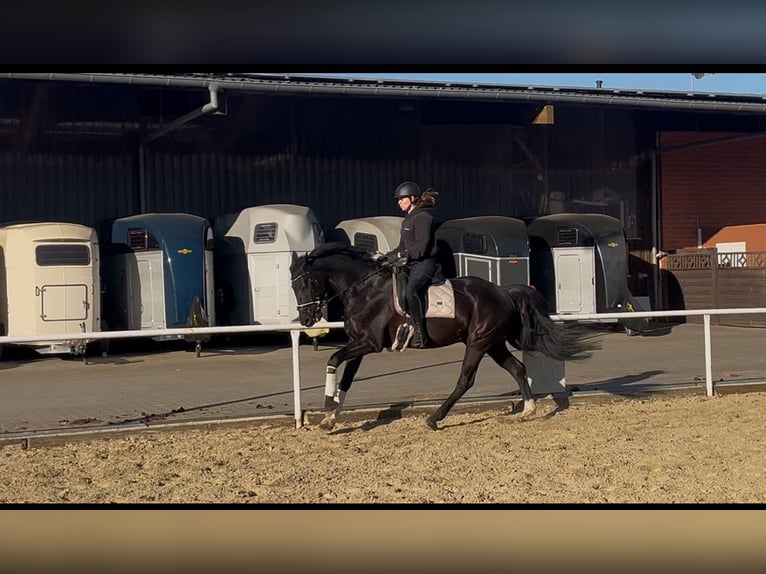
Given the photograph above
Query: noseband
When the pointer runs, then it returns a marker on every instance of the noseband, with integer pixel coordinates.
(315, 305)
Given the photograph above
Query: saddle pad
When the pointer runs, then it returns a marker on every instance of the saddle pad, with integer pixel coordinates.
(440, 301)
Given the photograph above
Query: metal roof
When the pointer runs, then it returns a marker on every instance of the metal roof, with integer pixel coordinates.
(345, 86)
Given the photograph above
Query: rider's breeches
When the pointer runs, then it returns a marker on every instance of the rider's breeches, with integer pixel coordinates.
(420, 276)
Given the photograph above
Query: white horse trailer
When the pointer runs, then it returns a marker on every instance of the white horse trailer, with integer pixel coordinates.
(253, 254)
(49, 283)
(379, 233)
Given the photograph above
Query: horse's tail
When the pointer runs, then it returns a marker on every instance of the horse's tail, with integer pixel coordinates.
(568, 341)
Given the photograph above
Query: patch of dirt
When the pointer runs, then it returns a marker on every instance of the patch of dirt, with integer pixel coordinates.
(690, 449)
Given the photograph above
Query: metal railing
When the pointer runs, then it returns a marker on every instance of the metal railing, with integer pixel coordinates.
(295, 331)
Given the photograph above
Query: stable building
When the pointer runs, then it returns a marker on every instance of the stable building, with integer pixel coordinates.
(673, 167)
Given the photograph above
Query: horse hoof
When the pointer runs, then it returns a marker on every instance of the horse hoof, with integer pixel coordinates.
(327, 424)
(525, 415)
(432, 424)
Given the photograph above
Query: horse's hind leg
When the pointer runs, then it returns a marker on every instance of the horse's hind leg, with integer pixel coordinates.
(335, 403)
(503, 357)
(471, 361)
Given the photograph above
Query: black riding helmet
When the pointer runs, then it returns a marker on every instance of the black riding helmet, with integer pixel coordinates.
(407, 189)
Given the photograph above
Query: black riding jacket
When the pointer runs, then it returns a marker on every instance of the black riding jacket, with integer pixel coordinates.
(417, 234)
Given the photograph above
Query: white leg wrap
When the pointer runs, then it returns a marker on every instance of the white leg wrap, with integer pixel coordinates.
(330, 383)
(529, 407)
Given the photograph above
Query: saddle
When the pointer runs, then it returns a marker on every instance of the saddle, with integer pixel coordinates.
(440, 299)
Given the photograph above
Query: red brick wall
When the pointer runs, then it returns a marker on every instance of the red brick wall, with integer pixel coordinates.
(721, 184)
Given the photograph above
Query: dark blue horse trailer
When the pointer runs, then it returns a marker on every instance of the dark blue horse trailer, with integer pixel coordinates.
(493, 247)
(579, 263)
(158, 273)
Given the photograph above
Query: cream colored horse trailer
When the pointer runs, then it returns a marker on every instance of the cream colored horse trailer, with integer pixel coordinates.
(49, 283)
(253, 254)
(379, 233)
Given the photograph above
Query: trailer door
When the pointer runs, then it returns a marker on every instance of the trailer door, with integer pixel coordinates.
(209, 287)
(151, 294)
(61, 302)
(63, 282)
(575, 280)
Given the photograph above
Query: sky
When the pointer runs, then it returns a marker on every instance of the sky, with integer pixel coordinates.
(728, 83)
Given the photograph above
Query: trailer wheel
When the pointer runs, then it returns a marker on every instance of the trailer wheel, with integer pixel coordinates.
(103, 344)
(198, 349)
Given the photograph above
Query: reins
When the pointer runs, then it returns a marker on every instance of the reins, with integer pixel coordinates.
(383, 267)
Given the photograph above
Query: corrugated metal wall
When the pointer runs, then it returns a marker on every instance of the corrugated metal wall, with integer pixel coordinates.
(72, 188)
(71, 153)
(477, 169)
(335, 188)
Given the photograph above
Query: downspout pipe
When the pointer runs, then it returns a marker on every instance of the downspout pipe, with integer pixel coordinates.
(209, 108)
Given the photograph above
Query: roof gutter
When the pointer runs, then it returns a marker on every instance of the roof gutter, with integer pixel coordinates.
(381, 88)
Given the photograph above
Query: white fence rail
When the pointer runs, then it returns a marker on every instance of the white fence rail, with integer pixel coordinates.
(296, 329)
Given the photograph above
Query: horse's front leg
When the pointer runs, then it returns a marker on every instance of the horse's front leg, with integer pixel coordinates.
(335, 394)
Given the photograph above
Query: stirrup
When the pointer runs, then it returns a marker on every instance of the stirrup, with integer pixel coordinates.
(402, 338)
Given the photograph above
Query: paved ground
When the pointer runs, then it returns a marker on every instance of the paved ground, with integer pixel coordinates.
(46, 393)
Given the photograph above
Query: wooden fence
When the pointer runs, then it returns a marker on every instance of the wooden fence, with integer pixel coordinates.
(707, 279)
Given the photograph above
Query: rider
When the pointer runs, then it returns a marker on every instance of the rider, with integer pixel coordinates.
(417, 244)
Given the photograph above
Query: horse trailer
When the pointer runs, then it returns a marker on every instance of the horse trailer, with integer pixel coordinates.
(49, 284)
(372, 234)
(493, 247)
(253, 251)
(579, 263)
(496, 248)
(158, 273)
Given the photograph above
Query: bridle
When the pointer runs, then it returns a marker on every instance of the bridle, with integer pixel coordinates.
(316, 304)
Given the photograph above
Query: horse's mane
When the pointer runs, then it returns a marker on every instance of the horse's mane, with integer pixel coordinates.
(340, 248)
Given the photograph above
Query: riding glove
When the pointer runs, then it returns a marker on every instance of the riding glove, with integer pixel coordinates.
(396, 258)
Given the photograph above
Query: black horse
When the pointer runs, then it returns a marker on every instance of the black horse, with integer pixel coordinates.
(486, 317)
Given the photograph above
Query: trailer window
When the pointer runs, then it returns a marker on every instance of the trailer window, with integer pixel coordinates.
(141, 240)
(62, 255)
(366, 241)
(567, 236)
(474, 243)
(265, 233)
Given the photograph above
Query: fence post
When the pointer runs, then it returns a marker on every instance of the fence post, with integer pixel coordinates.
(295, 335)
(714, 279)
(708, 357)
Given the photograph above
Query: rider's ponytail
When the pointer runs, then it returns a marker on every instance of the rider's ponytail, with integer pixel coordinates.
(428, 197)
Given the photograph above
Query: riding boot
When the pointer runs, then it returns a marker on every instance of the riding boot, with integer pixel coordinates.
(420, 335)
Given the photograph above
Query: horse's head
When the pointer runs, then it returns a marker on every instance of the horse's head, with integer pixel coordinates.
(309, 290)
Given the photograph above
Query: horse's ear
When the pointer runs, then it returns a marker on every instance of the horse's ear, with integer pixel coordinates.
(295, 257)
